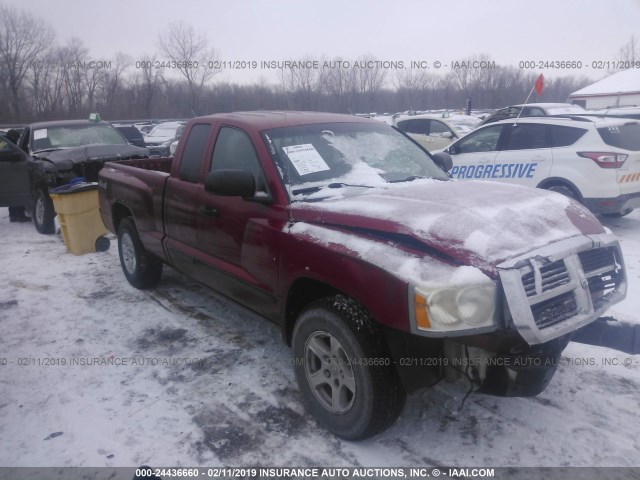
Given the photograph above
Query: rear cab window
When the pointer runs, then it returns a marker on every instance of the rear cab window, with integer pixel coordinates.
(193, 152)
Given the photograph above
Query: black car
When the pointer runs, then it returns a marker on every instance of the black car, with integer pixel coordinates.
(51, 154)
(131, 133)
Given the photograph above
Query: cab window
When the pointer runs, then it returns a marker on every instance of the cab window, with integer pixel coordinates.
(437, 129)
(525, 136)
(416, 125)
(194, 152)
(483, 140)
(234, 150)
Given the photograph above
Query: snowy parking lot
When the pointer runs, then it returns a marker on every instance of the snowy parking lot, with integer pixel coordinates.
(96, 373)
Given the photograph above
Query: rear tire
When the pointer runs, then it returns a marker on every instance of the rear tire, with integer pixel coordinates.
(346, 376)
(564, 190)
(141, 269)
(622, 213)
(43, 212)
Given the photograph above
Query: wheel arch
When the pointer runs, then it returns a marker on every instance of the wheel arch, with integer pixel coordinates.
(303, 292)
(559, 181)
(118, 212)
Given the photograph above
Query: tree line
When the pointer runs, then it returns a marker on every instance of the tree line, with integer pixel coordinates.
(43, 80)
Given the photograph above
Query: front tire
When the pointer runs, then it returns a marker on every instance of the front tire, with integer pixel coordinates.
(346, 376)
(43, 212)
(141, 269)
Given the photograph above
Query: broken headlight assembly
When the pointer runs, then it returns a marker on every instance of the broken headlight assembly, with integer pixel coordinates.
(453, 310)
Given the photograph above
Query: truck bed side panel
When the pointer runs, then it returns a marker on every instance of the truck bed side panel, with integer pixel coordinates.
(140, 191)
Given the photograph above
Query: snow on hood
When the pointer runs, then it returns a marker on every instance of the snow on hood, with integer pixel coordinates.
(474, 222)
(413, 269)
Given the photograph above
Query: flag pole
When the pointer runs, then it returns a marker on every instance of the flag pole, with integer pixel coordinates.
(515, 122)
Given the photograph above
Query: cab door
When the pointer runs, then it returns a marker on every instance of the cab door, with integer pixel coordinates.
(473, 156)
(237, 237)
(525, 155)
(15, 189)
(183, 189)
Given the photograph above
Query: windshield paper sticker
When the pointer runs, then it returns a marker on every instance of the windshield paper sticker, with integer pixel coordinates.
(306, 159)
(499, 170)
(38, 134)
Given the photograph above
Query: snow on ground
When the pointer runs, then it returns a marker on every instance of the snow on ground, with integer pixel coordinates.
(196, 380)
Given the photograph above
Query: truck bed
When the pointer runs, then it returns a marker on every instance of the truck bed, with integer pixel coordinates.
(140, 185)
(158, 164)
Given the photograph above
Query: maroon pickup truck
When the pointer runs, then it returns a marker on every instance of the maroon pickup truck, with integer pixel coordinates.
(384, 274)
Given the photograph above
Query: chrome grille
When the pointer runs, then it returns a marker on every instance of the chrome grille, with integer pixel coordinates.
(600, 268)
(563, 286)
(555, 310)
(552, 275)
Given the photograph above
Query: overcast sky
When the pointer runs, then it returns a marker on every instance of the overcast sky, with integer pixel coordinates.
(507, 30)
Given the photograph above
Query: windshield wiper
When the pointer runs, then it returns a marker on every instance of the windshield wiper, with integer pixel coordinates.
(47, 150)
(307, 190)
(340, 185)
(408, 179)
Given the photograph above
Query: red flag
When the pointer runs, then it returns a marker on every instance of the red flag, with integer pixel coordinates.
(539, 85)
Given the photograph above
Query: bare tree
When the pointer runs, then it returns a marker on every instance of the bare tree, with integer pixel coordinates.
(72, 57)
(191, 56)
(302, 82)
(369, 77)
(112, 83)
(630, 51)
(146, 84)
(337, 79)
(47, 84)
(23, 38)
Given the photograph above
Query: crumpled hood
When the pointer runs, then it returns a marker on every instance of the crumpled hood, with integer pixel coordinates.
(473, 223)
(66, 158)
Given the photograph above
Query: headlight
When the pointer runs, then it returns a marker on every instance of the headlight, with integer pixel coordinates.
(454, 309)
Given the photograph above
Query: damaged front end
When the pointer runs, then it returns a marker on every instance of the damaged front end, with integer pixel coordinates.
(545, 297)
(62, 166)
(562, 287)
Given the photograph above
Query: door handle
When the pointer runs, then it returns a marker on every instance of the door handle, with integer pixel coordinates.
(207, 211)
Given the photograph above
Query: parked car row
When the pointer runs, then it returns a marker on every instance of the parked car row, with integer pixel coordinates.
(157, 138)
(160, 138)
(591, 157)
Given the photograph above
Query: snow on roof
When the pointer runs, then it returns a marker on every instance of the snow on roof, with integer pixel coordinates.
(627, 81)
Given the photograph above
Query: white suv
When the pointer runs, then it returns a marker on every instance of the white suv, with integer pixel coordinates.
(595, 161)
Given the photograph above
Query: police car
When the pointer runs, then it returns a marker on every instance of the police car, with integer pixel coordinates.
(593, 160)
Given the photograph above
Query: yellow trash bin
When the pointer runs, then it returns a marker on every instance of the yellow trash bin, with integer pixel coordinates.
(79, 216)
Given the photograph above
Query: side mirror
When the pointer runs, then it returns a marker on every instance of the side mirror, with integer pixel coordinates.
(447, 135)
(443, 160)
(231, 183)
